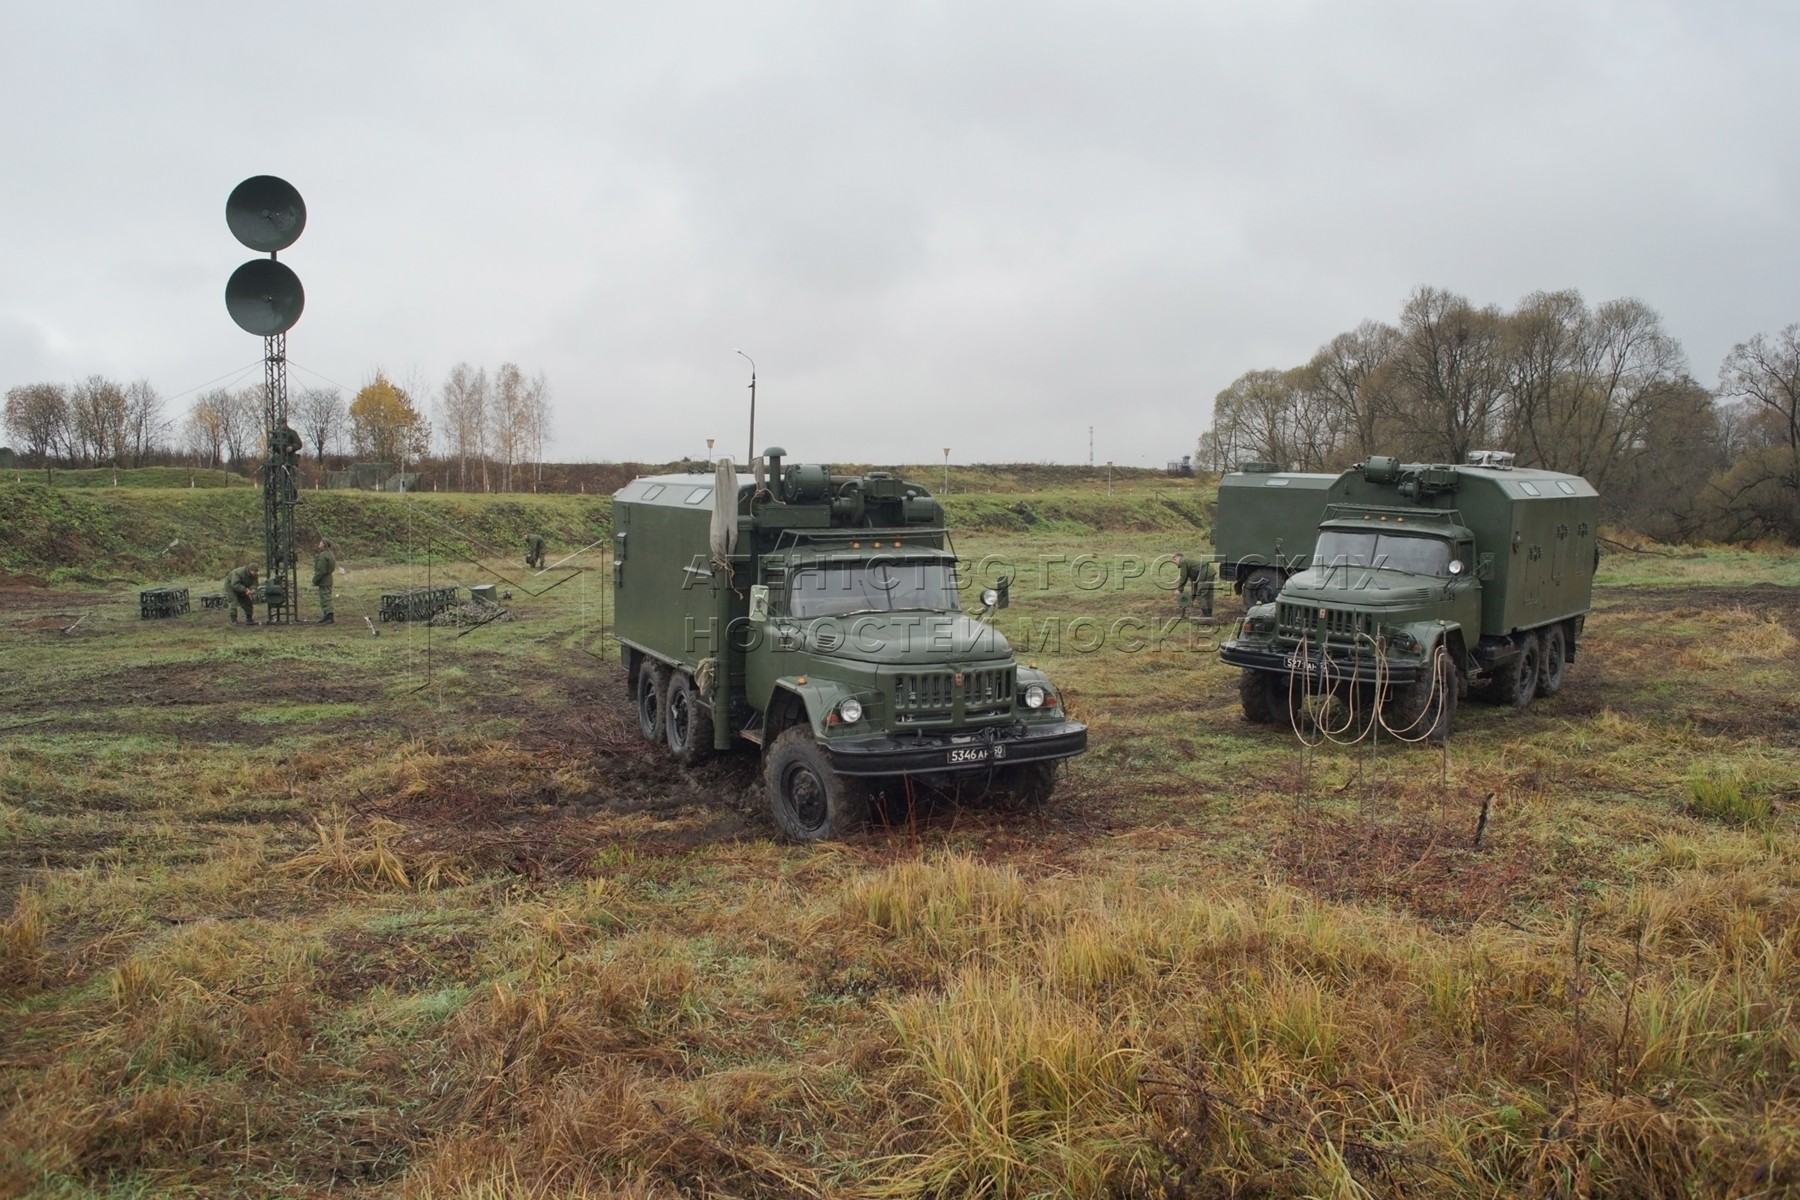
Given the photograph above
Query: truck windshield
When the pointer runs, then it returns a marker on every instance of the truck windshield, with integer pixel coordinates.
(1395, 551)
(839, 589)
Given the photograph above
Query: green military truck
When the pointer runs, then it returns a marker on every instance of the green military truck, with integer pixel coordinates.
(1268, 521)
(818, 617)
(1428, 582)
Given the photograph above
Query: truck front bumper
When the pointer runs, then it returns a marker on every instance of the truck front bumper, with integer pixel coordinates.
(1339, 664)
(975, 750)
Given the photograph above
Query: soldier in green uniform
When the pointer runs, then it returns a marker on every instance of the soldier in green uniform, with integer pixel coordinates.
(240, 590)
(324, 567)
(1194, 582)
(534, 552)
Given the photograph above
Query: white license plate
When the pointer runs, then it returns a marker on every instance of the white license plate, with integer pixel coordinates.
(1295, 662)
(966, 754)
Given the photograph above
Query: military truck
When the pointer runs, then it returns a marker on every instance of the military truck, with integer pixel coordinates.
(1428, 583)
(1268, 521)
(819, 617)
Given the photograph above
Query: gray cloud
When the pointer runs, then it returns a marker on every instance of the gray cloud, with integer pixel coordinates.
(981, 225)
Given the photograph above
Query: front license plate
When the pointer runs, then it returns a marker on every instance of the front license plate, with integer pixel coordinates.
(1296, 663)
(966, 754)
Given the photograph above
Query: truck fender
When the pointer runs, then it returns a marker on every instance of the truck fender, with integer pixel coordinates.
(794, 701)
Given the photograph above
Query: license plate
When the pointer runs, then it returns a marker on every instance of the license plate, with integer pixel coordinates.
(966, 754)
(1296, 663)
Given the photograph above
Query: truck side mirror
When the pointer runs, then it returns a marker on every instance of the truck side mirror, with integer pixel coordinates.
(759, 602)
(1004, 587)
(1484, 567)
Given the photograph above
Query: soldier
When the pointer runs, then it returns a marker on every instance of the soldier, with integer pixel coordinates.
(534, 551)
(324, 566)
(1196, 576)
(240, 590)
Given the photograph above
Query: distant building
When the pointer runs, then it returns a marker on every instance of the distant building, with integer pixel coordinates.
(1185, 467)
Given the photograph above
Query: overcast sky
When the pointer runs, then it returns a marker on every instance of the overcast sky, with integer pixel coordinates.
(986, 226)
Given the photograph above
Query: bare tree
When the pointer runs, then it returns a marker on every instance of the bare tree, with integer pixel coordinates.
(37, 415)
(1350, 373)
(320, 416)
(206, 422)
(463, 406)
(144, 421)
(1448, 374)
(98, 417)
(510, 411)
(1766, 372)
(242, 414)
(537, 419)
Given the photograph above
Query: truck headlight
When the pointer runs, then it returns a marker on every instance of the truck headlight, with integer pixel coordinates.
(1035, 695)
(1259, 625)
(989, 597)
(850, 710)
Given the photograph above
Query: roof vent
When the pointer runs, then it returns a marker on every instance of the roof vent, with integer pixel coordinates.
(1499, 460)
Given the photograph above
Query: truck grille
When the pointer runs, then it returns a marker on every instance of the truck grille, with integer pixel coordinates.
(1340, 624)
(933, 693)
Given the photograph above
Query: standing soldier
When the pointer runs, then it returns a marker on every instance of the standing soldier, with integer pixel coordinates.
(324, 566)
(240, 590)
(534, 552)
(1196, 576)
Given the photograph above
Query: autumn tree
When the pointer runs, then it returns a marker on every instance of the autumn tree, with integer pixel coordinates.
(385, 425)
(144, 421)
(98, 416)
(1764, 374)
(37, 417)
(205, 426)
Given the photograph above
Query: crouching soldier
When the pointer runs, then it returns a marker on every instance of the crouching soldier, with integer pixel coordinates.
(534, 552)
(240, 593)
(324, 567)
(1194, 581)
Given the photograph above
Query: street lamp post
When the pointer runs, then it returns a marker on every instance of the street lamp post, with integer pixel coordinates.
(751, 456)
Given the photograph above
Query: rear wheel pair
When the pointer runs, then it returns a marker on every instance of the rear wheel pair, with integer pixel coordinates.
(671, 709)
(1538, 668)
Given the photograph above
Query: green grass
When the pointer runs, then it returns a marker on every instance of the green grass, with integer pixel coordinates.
(286, 911)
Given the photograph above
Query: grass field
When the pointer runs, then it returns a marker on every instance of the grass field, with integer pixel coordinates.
(293, 910)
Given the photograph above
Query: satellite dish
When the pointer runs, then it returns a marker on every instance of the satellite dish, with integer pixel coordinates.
(265, 213)
(264, 297)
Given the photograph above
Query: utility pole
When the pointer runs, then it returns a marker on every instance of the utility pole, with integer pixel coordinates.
(946, 470)
(1109, 479)
(751, 456)
(1090, 446)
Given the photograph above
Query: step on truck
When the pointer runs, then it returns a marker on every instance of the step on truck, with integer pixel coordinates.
(1427, 583)
(819, 617)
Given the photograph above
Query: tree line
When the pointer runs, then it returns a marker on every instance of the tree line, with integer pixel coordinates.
(489, 433)
(1598, 391)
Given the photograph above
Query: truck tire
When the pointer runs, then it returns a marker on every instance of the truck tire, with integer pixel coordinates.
(687, 721)
(1264, 695)
(1555, 663)
(652, 686)
(808, 801)
(1261, 586)
(1519, 678)
(1424, 709)
(1027, 785)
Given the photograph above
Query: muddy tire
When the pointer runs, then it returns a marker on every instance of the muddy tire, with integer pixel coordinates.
(1555, 663)
(1424, 709)
(1519, 678)
(649, 695)
(808, 801)
(1261, 586)
(1027, 785)
(687, 721)
(1264, 695)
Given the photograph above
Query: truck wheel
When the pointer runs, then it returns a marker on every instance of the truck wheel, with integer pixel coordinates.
(1519, 678)
(1264, 696)
(807, 799)
(687, 721)
(1423, 709)
(1261, 586)
(1555, 662)
(1028, 785)
(652, 685)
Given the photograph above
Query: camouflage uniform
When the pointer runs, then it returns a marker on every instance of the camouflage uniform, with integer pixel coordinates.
(240, 590)
(534, 551)
(1195, 581)
(324, 567)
